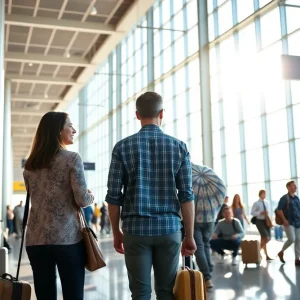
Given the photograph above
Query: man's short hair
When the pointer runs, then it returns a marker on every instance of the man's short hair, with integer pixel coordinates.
(290, 183)
(261, 192)
(149, 104)
(225, 208)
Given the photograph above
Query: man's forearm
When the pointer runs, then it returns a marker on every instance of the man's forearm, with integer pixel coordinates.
(114, 215)
(188, 216)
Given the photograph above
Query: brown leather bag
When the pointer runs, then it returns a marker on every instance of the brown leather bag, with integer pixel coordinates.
(278, 218)
(94, 256)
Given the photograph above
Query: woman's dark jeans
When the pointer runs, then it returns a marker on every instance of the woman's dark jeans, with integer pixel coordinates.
(69, 260)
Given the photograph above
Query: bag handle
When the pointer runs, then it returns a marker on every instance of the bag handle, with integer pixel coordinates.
(84, 224)
(25, 218)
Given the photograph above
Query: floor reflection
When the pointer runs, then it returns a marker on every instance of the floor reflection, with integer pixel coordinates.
(271, 280)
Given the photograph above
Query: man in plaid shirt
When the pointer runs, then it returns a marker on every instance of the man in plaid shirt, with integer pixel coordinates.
(150, 177)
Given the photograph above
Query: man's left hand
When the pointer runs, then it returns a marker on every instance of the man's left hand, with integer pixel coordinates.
(119, 242)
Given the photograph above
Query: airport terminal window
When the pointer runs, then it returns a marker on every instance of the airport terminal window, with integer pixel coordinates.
(225, 17)
(292, 18)
(230, 106)
(255, 166)
(253, 134)
(293, 42)
(296, 112)
(232, 139)
(263, 2)
(253, 189)
(244, 9)
(270, 27)
(251, 101)
(234, 171)
(246, 87)
(297, 142)
(277, 127)
(295, 89)
(279, 168)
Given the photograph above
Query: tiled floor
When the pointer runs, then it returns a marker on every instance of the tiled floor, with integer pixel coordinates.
(270, 281)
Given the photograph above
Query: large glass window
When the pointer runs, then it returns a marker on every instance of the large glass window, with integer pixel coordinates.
(249, 99)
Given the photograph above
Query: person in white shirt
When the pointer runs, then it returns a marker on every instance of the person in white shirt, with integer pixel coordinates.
(260, 210)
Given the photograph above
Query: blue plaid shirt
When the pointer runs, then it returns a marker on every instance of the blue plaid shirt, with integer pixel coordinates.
(293, 213)
(154, 171)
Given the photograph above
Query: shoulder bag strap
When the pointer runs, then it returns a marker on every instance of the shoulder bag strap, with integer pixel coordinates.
(25, 218)
(288, 201)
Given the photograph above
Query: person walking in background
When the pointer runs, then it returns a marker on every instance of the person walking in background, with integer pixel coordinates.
(10, 220)
(88, 214)
(260, 210)
(54, 178)
(289, 211)
(150, 176)
(96, 216)
(220, 214)
(209, 191)
(239, 210)
(104, 219)
(18, 219)
(228, 235)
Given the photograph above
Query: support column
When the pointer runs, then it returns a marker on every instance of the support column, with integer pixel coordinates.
(7, 153)
(206, 118)
(2, 17)
(83, 124)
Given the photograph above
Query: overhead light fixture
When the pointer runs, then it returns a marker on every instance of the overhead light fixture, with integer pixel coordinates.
(93, 11)
(67, 54)
(30, 64)
(46, 96)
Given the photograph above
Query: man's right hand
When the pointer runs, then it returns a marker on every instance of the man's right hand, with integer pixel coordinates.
(188, 246)
(285, 223)
(119, 242)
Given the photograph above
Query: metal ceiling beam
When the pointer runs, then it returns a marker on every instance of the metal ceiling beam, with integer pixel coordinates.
(41, 79)
(68, 25)
(35, 99)
(135, 12)
(25, 135)
(42, 59)
(27, 113)
(22, 125)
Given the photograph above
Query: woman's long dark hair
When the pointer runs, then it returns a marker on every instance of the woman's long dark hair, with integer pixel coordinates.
(47, 141)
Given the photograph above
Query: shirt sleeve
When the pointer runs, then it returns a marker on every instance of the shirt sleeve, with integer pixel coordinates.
(239, 229)
(255, 211)
(116, 180)
(282, 203)
(184, 180)
(78, 183)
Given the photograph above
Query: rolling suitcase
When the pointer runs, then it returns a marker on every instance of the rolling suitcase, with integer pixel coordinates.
(10, 287)
(189, 284)
(251, 252)
(3, 260)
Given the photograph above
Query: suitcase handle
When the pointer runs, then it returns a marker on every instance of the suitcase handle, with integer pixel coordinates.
(183, 261)
(8, 276)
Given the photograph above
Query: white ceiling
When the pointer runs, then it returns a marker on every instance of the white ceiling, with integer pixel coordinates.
(52, 48)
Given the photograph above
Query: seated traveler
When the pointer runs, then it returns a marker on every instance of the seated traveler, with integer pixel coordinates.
(227, 235)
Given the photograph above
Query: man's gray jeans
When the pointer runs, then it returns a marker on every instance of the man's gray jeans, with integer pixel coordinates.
(141, 253)
(202, 235)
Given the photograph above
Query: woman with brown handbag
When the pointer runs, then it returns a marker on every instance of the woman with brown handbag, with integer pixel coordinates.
(260, 213)
(54, 178)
